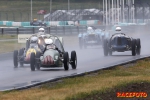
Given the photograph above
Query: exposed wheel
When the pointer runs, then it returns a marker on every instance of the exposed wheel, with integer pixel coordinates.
(110, 52)
(32, 61)
(27, 44)
(66, 61)
(73, 59)
(138, 44)
(15, 58)
(21, 52)
(84, 44)
(133, 47)
(80, 43)
(37, 63)
(105, 48)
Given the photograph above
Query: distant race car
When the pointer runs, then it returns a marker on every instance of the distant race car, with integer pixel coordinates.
(120, 42)
(89, 38)
(36, 22)
(53, 56)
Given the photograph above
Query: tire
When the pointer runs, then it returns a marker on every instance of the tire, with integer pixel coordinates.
(80, 43)
(15, 58)
(37, 63)
(27, 44)
(105, 48)
(138, 44)
(32, 61)
(110, 52)
(74, 60)
(21, 52)
(66, 61)
(133, 47)
(85, 45)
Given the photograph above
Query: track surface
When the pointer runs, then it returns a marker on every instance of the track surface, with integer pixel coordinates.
(89, 59)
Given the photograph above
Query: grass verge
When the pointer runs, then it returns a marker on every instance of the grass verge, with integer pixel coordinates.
(82, 87)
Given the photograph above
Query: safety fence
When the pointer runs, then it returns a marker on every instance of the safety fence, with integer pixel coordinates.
(52, 23)
(72, 30)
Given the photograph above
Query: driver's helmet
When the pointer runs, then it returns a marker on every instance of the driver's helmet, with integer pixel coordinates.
(90, 29)
(41, 31)
(118, 28)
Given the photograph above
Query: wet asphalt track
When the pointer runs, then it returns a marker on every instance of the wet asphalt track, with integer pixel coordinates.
(89, 59)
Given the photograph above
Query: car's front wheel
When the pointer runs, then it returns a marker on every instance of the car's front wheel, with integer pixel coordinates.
(21, 52)
(138, 43)
(66, 61)
(15, 58)
(133, 47)
(73, 60)
(105, 48)
(32, 61)
(38, 54)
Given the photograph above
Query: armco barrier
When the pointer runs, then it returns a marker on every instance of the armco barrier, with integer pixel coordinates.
(59, 30)
(70, 30)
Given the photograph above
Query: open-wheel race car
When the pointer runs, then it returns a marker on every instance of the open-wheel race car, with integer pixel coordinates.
(23, 55)
(53, 55)
(120, 42)
(89, 38)
(44, 51)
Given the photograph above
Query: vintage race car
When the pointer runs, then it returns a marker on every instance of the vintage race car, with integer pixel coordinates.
(32, 45)
(53, 56)
(38, 23)
(89, 38)
(23, 55)
(120, 42)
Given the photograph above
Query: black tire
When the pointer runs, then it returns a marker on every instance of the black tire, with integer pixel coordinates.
(15, 58)
(21, 52)
(105, 48)
(85, 45)
(66, 61)
(80, 43)
(133, 47)
(110, 52)
(138, 44)
(32, 61)
(74, 60)
(38, 65)
(27, 44)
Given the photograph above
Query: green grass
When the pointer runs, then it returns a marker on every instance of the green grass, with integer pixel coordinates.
(8, 36)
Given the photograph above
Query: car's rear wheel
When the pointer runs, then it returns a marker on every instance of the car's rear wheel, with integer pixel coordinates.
(32, 61)
(73, 60)
(66, 61)
(21, 52)
(15, 58)
(138, 43)
(133, 47)
(38, 54)
(105, 48)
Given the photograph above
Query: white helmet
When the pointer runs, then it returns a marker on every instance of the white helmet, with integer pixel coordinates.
(89, 28)
(118, 28)
(41, 30)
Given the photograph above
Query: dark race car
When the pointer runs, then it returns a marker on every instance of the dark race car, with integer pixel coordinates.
(38, 23)
(120, 42)
(89, 38)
